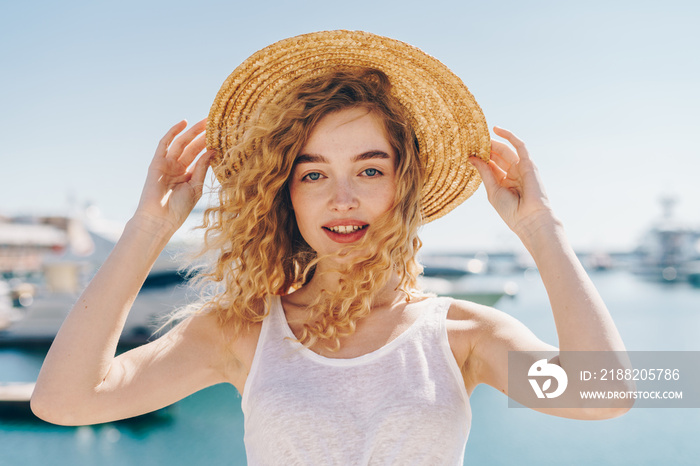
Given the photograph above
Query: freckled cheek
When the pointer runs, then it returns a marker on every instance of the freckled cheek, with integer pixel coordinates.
(384, 196)
(304, 204)
(298, 195)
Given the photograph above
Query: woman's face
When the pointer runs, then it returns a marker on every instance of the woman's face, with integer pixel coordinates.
(343, 179)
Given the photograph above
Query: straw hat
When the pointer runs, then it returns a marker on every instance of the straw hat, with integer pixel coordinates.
(445, 117)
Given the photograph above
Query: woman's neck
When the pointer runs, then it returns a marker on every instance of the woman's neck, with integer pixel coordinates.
(329, 281)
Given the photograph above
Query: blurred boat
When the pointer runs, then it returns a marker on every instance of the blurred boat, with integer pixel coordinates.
(486, 292)
(466, 276)
(453, 265)
(48, 261)
(670, 249)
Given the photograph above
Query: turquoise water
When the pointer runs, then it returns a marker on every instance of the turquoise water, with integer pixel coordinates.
(207, 428)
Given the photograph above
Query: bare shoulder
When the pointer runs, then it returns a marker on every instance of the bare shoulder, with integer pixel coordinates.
(469, 312)
(469, 323)
(481, 336)
(237, 349)
(478, 320)
(216, 343)
(197, 337)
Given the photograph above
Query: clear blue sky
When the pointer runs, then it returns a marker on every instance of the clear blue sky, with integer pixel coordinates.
(606, 95)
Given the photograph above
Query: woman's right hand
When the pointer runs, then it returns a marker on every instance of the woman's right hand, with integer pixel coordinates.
(174, 182)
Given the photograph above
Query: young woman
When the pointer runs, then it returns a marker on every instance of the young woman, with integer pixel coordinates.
(331, 149)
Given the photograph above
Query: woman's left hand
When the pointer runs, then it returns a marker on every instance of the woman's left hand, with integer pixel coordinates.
(513, 184)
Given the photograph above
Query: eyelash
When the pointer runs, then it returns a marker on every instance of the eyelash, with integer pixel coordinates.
(308, 175)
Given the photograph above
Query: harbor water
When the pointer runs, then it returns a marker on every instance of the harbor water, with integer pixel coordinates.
(207, 427)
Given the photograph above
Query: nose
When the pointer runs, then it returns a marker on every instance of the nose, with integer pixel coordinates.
(343, 196)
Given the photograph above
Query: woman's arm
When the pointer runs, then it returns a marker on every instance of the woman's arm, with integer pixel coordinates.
(81, 381)
(515, 190)
(582, 320)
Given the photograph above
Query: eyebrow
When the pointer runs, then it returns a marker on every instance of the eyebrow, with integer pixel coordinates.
(316, 158)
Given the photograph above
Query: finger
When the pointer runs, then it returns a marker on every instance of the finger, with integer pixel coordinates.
(503, 163)
(192, 149)
(505, 151)
(200, 169)
(179, 144)
(517, 143)
(164, 143)
(490, 173)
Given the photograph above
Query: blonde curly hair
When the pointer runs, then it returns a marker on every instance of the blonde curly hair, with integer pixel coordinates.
(254, 233)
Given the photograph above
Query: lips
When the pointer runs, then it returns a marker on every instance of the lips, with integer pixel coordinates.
(345, 231)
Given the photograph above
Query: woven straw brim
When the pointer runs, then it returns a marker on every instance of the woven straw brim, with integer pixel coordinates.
(445, 117)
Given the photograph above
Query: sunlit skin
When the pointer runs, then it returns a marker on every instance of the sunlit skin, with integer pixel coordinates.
(344, 178)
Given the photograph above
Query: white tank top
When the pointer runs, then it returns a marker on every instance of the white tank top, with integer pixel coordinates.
(404, 403)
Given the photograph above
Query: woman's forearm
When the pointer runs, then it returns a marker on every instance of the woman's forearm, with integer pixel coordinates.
(582, 320)
(82, 352)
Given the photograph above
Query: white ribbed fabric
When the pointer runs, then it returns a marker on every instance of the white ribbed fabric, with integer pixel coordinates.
(404, 403)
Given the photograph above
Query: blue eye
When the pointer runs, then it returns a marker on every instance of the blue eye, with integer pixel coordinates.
(313, 176)
(371, 172)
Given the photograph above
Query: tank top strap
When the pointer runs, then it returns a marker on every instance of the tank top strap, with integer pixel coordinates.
(439, 308)
(270, 330)
(434, 317)
(434, 333)
(275, 321)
